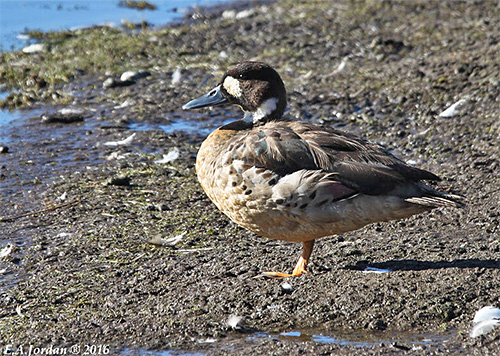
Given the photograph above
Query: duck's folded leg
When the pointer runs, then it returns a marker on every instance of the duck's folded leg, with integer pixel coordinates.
(300, 267)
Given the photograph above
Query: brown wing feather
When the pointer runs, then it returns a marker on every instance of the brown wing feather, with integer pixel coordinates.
(287, 147)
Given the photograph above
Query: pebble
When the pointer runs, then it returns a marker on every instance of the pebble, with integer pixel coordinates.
(35, 48)
(113, 83)
(64, 116)
(120, 181)
(134, 76)
(286, 287)
(4, 149)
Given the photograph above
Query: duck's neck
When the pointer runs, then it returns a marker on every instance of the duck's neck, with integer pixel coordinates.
(269, 110)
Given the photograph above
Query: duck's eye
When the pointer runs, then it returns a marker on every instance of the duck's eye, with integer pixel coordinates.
(242, 76)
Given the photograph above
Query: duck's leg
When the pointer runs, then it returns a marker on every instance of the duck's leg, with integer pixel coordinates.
(300, 267)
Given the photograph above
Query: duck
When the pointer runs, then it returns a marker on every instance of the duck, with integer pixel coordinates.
(296, 181)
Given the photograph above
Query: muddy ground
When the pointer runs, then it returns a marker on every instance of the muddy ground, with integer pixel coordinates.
(81, 215)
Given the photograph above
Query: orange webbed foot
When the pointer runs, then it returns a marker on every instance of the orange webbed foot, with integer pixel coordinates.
(300, 267)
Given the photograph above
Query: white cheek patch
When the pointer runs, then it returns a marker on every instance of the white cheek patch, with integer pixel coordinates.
(232, 86)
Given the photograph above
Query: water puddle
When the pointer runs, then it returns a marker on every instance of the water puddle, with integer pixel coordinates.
(192, 126)
(131, 352)
(353, 338)
(358, 339)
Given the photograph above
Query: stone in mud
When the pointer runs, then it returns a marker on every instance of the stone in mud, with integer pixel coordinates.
(134, 76)
(64, 116)
(35, 48)
(113, 83)
(120, 181)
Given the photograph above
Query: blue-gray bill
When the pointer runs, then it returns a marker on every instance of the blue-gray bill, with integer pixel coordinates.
(212, 98)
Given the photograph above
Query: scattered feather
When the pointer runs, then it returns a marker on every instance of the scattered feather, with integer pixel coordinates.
(484, 327)
(63, 234)
(235, 322)
(208, 340)
(6, 251)
(486, 313)
(176, 76)
(18, 311)
(452, 110)
(341, 66)
(308, 75)
(117, 155)
(172, 241)
(125, 104)
(485, 321)
(124, 142)
(63, 196)
(172, 155)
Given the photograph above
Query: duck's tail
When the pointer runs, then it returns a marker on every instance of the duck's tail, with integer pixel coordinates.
(434, 199)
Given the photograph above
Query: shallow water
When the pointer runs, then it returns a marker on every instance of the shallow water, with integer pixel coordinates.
(358, 339)
(200, 127)
(46, 15)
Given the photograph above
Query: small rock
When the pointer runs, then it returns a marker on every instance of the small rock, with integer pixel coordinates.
(161, 207)
(286, 287)
(134, 76)
(35, 48)
(229, 14)
(120, 181)
(4, 149)
(64, 116)
(232, 14)
(378, 325)
(113, 83)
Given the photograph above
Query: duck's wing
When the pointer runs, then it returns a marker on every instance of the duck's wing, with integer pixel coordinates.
(363, 166)
(287, 147)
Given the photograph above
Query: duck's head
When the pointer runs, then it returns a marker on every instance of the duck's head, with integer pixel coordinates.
(254, 86)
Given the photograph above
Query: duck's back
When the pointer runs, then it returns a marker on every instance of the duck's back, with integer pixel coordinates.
(296, 181)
